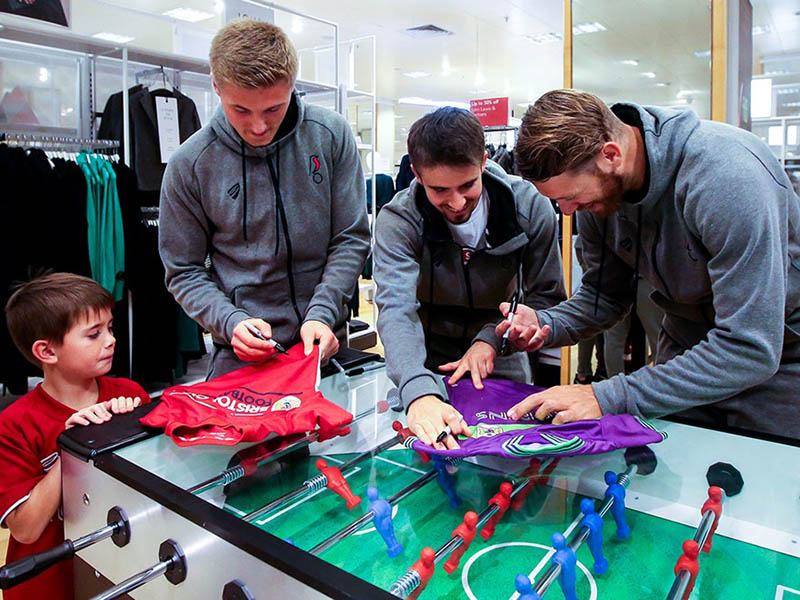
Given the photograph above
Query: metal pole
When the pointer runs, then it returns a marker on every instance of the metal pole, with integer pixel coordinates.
(319, 481)
(700, 536)
(410, 581)
(136, 581)
(554, 570)
(358, 523)
(233, 473)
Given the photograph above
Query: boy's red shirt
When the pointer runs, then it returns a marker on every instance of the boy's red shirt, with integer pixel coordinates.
(28, 432)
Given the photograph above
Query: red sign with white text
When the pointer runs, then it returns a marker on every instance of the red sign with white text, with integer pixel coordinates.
(491, 112)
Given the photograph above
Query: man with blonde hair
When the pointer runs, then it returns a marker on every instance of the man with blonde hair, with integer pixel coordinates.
(704, 212)
(271, 194)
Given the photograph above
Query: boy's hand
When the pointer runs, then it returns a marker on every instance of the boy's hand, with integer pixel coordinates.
(123, 404)
(101, 412)
(96, 413)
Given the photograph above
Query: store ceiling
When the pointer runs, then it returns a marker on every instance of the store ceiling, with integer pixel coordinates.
(488, 53)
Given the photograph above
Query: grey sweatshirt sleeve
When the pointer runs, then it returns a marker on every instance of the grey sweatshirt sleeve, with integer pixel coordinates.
(543, 277)
(349, 245)
(576, 319)
(737, 216)
(398, 250)
(183, 241)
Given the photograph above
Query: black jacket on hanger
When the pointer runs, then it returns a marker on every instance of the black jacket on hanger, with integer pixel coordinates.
(111, 122)
(405, 175)
(145, 149)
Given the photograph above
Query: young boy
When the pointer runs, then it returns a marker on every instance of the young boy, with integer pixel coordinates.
(62, 323)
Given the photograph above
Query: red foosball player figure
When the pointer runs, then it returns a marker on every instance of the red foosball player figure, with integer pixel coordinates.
(531, 472)
(503, 500)
(405, 432)
(690, 563)
(425, 567)
(466, 531)
(714, 503)
(337, 483)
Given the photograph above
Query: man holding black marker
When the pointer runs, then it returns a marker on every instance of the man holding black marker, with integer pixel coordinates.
(462, 237)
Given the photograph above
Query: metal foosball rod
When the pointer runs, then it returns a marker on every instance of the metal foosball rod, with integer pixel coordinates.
(171, 563)
(577, 540)
(320, 480)
(360, 522)
(682, 579)
(256, 456)
(117, 528)
(410, 581)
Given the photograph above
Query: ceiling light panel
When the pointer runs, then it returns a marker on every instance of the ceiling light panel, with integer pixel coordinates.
(416, 74)
(116, 38)
(189, 15)
(544, 38)
(593, 27)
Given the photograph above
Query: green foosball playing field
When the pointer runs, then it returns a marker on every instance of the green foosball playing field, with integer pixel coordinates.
(641, 566)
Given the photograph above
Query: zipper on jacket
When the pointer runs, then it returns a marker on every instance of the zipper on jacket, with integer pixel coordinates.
(468, 281)
(285, 226)
(655, 263)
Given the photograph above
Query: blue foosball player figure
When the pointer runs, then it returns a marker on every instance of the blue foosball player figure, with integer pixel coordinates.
(594, 523)
(525, 588)
(446, 481)
(565, 558)
(382, 519)
(616, 491)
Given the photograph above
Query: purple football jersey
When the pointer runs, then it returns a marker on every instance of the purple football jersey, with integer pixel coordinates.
(495, 434)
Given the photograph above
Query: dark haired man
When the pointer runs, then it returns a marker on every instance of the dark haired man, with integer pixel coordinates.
(447, 249)
(702, 211)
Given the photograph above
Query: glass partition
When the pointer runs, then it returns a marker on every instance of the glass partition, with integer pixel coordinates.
(40, 91)
(658, 53)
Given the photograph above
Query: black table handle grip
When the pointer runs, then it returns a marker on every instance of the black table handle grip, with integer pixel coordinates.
(29, 566)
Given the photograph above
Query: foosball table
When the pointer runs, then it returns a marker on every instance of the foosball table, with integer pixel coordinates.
(703, 514)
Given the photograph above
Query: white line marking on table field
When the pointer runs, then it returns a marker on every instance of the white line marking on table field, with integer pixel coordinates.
(397, 464)
(780, 592)
(291, 506)
(371, 529)
(465, 571)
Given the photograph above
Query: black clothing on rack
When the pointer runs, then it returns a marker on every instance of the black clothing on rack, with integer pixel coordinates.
(44, 227)
(145, 149)
(405, 175)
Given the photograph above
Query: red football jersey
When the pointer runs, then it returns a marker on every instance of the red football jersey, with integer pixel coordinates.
(28, 432)
(278, 396)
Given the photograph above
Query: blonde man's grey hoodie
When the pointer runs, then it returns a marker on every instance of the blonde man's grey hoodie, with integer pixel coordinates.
(284, 225)
(717, 233)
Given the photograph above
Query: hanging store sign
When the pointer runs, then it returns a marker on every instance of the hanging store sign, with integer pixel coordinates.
(491, 112)
(242, 9)
(51, 11)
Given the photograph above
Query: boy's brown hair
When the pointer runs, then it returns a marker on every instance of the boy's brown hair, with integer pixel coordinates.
(562, 131)
(48, 306)
(252, 54)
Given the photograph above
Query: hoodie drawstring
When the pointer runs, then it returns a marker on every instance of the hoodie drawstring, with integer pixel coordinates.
(638, 255)
(636, 264)
(244, 191)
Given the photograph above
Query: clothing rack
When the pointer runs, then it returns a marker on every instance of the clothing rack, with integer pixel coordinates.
(56, 141)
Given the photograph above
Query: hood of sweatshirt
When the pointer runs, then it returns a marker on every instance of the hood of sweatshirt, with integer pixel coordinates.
(665, 132)
(664, 135)
(231, 138)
